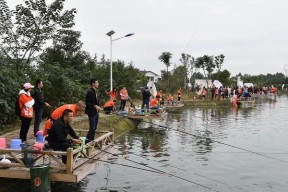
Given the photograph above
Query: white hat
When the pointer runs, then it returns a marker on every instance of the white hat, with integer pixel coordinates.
(28, 86)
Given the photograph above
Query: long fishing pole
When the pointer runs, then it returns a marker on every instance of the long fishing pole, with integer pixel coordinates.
(159, 171)
(172, 167)
(200, 137)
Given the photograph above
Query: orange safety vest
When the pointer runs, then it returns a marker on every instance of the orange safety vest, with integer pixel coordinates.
(204, 92)
(113, 95)
(57, 113)
(26, 103)
(179, 93)
(153, 102)
(124, 94)
(170, 98)
(109, 104)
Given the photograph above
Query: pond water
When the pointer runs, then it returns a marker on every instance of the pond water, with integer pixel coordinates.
(199, 149)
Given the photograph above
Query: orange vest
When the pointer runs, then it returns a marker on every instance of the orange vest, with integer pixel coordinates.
(109, 104)
(124, 94)
(26, 103)
(160, 95)
(113, 95)
(204, 92)
(179, 93)
(170, 98)
(57, 113)
(153, 102)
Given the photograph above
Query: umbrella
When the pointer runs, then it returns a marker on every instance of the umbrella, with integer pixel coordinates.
(217, 84)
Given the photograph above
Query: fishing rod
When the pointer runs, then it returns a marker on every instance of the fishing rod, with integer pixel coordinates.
(214, 141)
(173, 167)
(153, 170)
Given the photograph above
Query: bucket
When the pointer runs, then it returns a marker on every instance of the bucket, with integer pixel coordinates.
(39, 133)
(2, 143)
(15, 144)
(38, 146)
(40, 178)
(39, 138)
(28, 157)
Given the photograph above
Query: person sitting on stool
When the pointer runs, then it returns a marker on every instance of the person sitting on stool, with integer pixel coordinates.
(57, 138)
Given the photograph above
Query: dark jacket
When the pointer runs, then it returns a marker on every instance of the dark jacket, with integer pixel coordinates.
(145, 94)
(38, 97)
(59, 131)
(91, 100)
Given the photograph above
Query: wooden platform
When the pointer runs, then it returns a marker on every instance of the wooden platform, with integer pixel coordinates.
(245, 103)
(80, 161)
(147, 114)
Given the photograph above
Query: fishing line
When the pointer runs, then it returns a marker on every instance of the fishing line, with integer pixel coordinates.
(200, 137)
(199, 175)
(153, 170)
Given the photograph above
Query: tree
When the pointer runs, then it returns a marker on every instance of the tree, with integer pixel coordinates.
(188, 63)
(165, 58)
(219, 60)
(35, 23)
(206, 63)
(222, 76)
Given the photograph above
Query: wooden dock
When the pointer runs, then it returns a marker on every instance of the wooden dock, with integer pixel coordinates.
(147, 114)
(80, 161)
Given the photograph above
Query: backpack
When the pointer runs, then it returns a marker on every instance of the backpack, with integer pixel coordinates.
(17, 106)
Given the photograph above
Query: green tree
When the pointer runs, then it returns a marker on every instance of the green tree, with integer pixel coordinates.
(25, 31)
(205, 63)
(165, 58)
(188, 62)
(222, 76)
(219, 60)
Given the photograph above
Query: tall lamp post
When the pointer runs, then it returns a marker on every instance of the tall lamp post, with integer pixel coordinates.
(110, 33)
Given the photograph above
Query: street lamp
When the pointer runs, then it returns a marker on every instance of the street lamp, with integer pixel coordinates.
(110, 33)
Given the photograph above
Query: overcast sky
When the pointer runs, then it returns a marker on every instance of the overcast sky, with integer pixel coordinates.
(252, 34)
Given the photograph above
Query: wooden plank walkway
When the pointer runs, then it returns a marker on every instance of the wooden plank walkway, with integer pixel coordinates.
(80, 161)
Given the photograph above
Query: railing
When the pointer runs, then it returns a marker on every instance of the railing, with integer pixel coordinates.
(75, 157)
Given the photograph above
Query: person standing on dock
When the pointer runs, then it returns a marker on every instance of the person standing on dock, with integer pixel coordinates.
(124, 97)
(26, 103)
(39, 105)
(92, 108)
(57, 138)
(179, 93)
(113, 94)
(145, 98)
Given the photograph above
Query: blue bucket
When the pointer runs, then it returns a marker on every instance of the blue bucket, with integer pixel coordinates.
(15, 144)
(39, 138)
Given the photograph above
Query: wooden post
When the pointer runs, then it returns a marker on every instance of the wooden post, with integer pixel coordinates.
(69, 163)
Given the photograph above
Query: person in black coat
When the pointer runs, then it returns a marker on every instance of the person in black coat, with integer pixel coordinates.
(92, 108)
(39, 105)
(57, 138)
(146, 94)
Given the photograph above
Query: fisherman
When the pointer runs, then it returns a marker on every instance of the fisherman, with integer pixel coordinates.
(109, 106)
(170, 99)
(124, 97)
(145, 98)
(57, 138)
(57, 113)
(154, 103)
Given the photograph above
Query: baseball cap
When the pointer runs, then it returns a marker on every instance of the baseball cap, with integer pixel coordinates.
(28, 86)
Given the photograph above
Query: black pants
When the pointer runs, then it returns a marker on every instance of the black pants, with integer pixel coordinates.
(122, 105)
(60, 147)
(38, 118)
(108, 109)
(25, 124)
